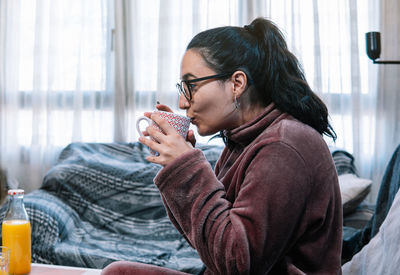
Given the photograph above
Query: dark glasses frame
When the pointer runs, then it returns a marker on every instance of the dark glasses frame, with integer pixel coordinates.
(188, 83)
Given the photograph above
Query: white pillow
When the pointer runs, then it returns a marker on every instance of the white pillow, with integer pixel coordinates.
(353, 190)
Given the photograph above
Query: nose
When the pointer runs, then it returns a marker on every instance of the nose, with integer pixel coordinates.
(183, 102)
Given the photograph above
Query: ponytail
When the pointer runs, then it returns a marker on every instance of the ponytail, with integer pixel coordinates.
(276, 74)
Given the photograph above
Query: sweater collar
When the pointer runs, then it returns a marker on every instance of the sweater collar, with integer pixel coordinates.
(247, 132)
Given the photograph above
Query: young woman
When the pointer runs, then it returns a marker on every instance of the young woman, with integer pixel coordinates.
(273, 203)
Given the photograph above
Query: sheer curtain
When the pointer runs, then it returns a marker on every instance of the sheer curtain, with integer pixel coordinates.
(387, 121)
(58, 64)
(151, 37)
(327, 37)
(55, 82)
(363, 98)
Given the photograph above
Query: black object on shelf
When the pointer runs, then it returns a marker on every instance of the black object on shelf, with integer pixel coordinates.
(373, 45)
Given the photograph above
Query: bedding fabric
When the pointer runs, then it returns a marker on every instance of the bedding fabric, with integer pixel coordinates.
(355, 239)
(99, 204)
(382, 254)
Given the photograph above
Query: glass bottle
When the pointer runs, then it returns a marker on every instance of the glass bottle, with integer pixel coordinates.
(16, 233)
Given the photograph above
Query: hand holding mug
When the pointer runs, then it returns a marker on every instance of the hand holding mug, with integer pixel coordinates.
(161, 107)
(178, 122)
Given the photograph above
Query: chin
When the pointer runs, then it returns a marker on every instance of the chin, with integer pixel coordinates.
(205, 132)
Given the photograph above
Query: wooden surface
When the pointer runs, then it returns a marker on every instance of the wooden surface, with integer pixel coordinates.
(42, 269)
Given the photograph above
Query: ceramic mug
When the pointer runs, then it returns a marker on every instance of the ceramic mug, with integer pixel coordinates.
(179, 122)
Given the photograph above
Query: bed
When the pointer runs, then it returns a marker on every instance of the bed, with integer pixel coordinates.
(98, 204)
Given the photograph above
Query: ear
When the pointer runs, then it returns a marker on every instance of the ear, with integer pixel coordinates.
(239, 81)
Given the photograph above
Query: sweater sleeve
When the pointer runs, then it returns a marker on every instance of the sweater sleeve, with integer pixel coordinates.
(247, 232)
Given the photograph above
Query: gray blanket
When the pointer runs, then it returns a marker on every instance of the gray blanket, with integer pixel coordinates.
(98, 204)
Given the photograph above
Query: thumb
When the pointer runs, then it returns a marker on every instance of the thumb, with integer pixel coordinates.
(165, 108)
(191, 138)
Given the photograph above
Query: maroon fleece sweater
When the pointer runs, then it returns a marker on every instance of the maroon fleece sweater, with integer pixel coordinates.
(272, 206)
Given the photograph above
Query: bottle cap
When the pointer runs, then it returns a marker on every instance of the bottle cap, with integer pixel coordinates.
(13, 192)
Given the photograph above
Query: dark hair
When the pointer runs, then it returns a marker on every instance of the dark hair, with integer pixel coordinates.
(274, 73)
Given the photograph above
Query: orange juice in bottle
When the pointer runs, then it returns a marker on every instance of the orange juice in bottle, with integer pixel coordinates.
(16, 234)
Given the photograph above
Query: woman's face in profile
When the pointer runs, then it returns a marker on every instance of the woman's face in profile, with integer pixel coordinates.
(211, 108)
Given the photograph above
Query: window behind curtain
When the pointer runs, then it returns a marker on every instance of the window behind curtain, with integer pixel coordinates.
(64, 76)
(65, 66)
(56, 78)
(326, 36)
(161, 31)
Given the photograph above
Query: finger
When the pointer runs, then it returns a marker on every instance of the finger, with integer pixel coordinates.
(152, 158)
(153, 145)
(143, 140)
(163, 124)
(147, 114)
(145, 133)
(163, 107)
(156, 159)
(191, 138)
(155, 133)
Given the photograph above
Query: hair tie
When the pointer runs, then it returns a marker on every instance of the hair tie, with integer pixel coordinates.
(249, 28)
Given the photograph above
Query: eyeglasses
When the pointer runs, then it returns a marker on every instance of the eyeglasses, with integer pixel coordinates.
(186, 86)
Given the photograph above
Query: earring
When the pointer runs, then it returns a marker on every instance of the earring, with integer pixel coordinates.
(237, 103)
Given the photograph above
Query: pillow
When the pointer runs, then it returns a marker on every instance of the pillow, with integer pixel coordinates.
(353, 191)
(344, 162)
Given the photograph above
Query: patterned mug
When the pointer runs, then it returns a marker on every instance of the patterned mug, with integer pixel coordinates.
(179, 122)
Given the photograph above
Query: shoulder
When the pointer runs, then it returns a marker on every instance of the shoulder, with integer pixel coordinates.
(298, 139)
(293, 131)
(301, 137)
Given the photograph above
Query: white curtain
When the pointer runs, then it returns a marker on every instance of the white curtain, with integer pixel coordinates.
(387, 113)
(62, 80)
(150, 39)
(54, 82)
(363, 98)
(328, 37)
